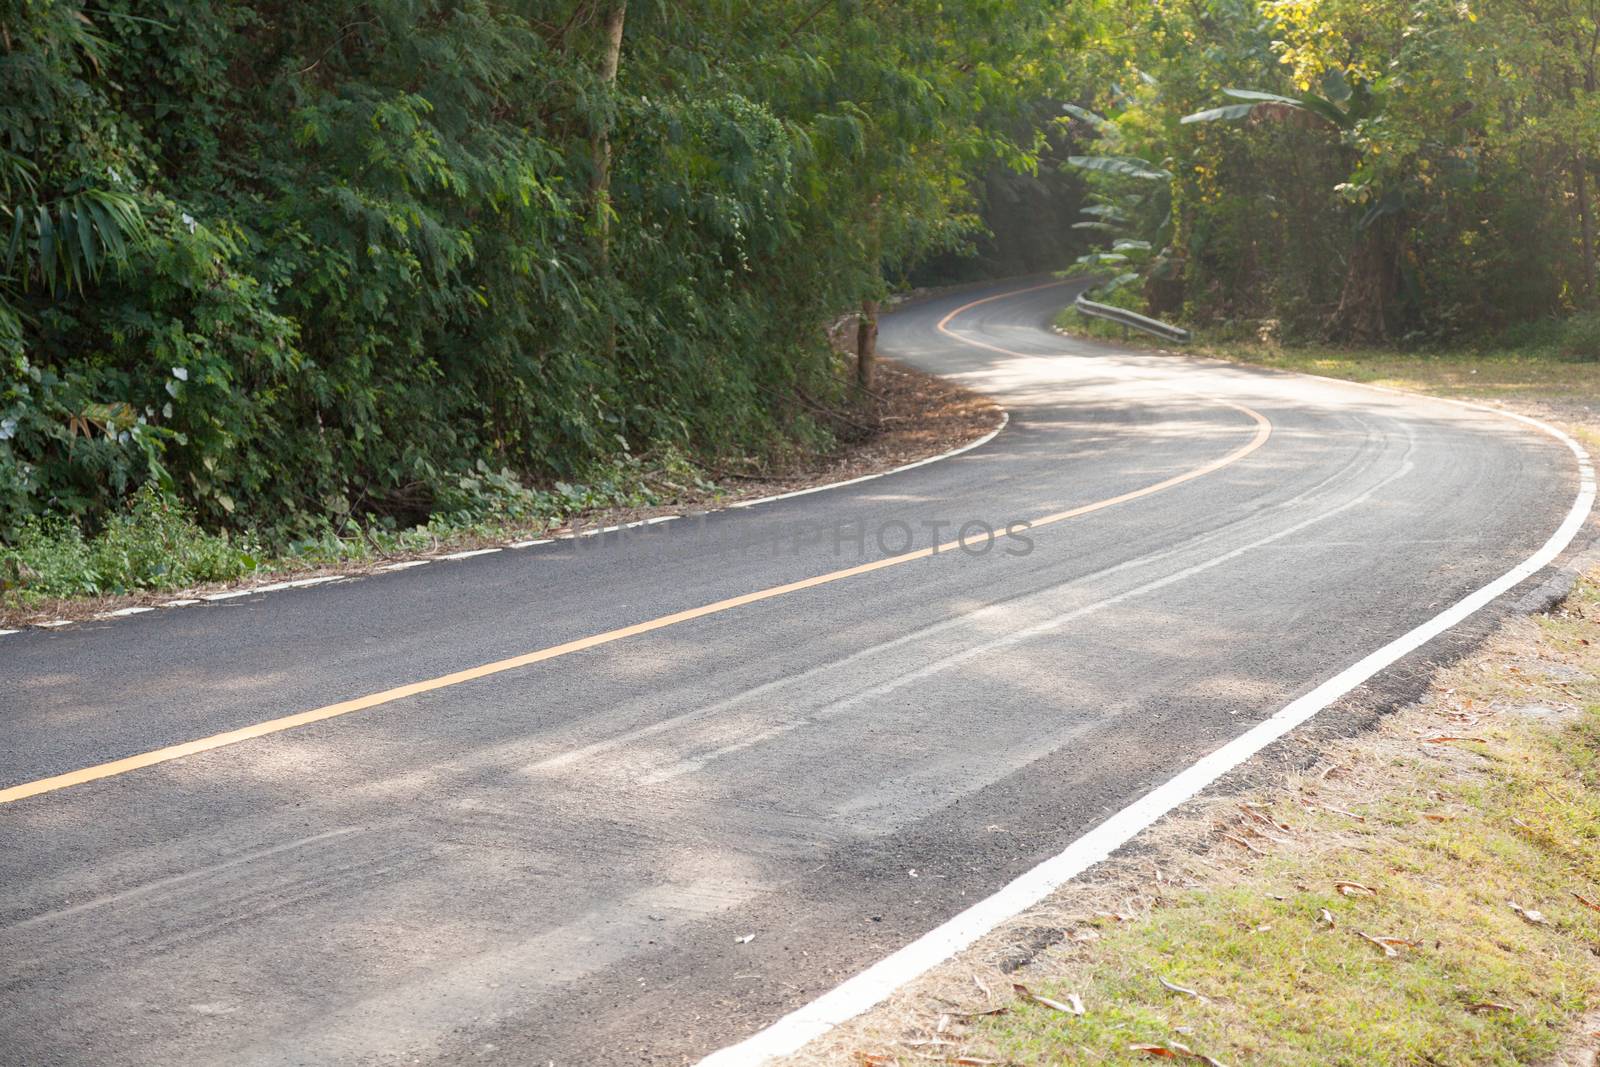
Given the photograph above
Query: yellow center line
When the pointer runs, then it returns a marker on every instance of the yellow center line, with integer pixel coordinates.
(388, 696)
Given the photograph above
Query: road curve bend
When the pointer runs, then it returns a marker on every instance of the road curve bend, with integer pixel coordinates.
(632, 799)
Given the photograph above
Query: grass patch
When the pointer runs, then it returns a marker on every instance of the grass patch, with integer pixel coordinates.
(1538, 370)
(1448, 834)
(155, 545)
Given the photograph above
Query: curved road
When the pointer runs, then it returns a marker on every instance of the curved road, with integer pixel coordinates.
(557, 849)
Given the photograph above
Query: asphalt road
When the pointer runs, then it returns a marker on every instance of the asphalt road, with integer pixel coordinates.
(563, 861)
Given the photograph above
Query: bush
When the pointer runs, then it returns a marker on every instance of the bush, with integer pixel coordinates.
(1580, 337)
(153, 544)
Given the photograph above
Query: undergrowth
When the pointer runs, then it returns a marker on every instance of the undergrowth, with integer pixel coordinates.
(156, 544)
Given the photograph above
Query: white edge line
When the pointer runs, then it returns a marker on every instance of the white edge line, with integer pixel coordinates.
(1005, 418)
(875, 984)
(8, 633)
(304, 583)
(468, 554)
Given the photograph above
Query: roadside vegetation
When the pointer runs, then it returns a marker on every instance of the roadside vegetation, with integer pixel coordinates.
(333, 273)
(1347, 171)
(52, 571)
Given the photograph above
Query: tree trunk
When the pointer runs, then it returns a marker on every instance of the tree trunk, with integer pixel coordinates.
(600, 139)
(600, 181)
(1580, 181)
(1363, 302)
(866, 343)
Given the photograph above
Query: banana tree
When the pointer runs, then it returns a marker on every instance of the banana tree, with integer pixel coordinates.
(1131, 205)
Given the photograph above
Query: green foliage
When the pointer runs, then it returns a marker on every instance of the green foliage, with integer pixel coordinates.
(298, 264)
(1415, 172)
(153, 544)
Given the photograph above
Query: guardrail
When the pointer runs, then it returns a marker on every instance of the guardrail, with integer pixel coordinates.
(1129, 319)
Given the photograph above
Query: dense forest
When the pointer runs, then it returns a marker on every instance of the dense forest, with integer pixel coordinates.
(292, 262)
(1370, 170)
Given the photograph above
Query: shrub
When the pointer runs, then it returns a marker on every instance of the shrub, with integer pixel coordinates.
(152, 544)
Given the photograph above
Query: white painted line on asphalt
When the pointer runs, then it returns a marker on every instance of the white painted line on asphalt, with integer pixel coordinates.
(470, 553)
(179, 603)
(271, 587)
(620, 526)
(229, 595)
(407, 564)
(535, 541)
(124, 612)
(54, 624)
(877, 982)
(1005, 418)
(306, 583)
(8, 633)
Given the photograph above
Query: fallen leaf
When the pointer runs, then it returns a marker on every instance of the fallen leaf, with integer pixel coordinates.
(1389, 944)
(1241, 842)
(1354, 889)
(973, 1061)
(1263, 928)
(1434, 816)
(1259, 816)
(1488, 1006)
(1173, 987)
(873, 1059)
(999, 1009)
(745, 940)
(1073, 1007)
(1529, 915)
(1442, 738)
(1175, 1051)
(1347, 814)
(1586, 902)
(979, 983)
(1325, 918)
